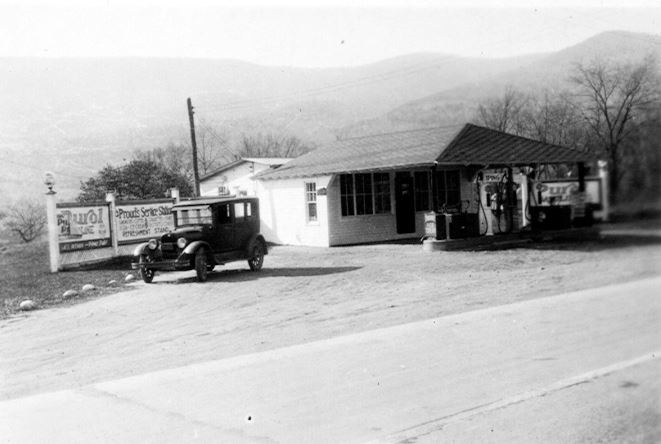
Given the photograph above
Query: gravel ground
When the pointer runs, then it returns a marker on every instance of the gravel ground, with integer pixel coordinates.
(302, 294)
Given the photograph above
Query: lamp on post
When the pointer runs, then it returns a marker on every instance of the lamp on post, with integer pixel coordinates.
(49, 181)
(51, 218)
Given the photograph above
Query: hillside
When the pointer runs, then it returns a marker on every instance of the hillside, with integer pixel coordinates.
(72, 116)
(551, 71)
(75, 115)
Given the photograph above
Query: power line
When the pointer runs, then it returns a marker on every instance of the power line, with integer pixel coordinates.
(216, 137)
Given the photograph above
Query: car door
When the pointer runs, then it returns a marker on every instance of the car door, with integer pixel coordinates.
(242, 226)
(222, 242)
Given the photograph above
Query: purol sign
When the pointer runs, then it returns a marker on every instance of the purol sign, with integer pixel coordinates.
(83, 227)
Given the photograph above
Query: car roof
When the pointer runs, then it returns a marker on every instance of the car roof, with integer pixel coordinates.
(210, 201)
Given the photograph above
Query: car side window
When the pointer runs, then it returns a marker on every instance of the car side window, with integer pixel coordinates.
(224, 216)
(248, 209)
(239, 212)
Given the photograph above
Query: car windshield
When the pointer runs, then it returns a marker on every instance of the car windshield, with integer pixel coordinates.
(193, 216)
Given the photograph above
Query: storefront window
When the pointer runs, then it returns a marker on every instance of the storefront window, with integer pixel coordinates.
(422, 189)
(448, 189)
(381, 193)
(346, 194)
(363, 194)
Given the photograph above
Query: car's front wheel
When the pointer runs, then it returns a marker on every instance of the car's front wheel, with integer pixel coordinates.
(201, 265)
(257, 257)
(146, 273)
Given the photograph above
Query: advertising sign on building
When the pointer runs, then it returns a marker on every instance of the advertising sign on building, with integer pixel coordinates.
(143, 221)
(493, 176)
(563, 192)
(83, 228)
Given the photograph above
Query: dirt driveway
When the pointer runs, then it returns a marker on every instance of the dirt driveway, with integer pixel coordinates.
(302, 294)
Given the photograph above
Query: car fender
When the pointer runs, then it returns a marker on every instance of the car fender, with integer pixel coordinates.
(195, 245)
(140, 249)
(256, 238)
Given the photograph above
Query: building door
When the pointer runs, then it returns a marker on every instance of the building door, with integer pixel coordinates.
(404, 206)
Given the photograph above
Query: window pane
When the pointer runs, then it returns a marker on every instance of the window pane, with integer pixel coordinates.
(346, 194)
(363, 194)
(310, 200)
(194, 216)
(381, 192)
(440, 189)
(312, 212)
(238, 211)
(421, 190)
(453, 196)
(448, 189)
(311, 192)
(249, 209)
(224, 214)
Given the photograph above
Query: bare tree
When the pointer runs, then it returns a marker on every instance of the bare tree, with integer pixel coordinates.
(613, 96)
(505, 113)
(213, 149)
(271, 145)
(27, 219)
(553, 118)
(175, 157)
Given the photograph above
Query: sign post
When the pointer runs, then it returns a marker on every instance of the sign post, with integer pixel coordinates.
(605, 202)
(110, 198)
(524, 200)
(51, 218)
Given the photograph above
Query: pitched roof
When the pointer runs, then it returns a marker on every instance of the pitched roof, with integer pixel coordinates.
(449, 145)
(478, 145)
(270, 161)
(369, 153)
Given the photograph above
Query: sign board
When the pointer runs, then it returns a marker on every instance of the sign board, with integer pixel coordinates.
(489, 176)
(143, 221)
(83, 228)
(563, 192)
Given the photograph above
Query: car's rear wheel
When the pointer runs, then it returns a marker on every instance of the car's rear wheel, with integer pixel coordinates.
(256, 257)
(146, 273)
(201, 265)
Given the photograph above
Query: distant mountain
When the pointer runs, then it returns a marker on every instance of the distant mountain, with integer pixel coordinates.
(550, 72)
(72, 116)
(75, 115)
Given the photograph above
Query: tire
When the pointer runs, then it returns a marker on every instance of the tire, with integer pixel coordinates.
(147, 274)
(256, 259)
(201, 265)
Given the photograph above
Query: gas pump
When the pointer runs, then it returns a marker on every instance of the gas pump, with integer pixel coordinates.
(497, 202)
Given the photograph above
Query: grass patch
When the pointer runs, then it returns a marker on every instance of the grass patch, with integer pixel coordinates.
(26, 275)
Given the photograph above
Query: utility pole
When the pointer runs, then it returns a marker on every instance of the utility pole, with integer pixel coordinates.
(194, 144)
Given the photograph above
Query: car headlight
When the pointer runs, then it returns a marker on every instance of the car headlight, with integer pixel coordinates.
(181, 242)
(153, 244)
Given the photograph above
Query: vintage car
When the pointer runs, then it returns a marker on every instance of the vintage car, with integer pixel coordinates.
(208, 232)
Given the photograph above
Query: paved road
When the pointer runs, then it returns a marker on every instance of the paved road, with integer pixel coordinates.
(579, 367)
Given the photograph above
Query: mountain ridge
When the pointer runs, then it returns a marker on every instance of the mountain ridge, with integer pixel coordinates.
(74, 115)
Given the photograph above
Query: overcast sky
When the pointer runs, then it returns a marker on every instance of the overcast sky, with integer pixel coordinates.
(332, 33)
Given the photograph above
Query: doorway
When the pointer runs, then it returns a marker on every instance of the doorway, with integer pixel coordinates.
(404, 203)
